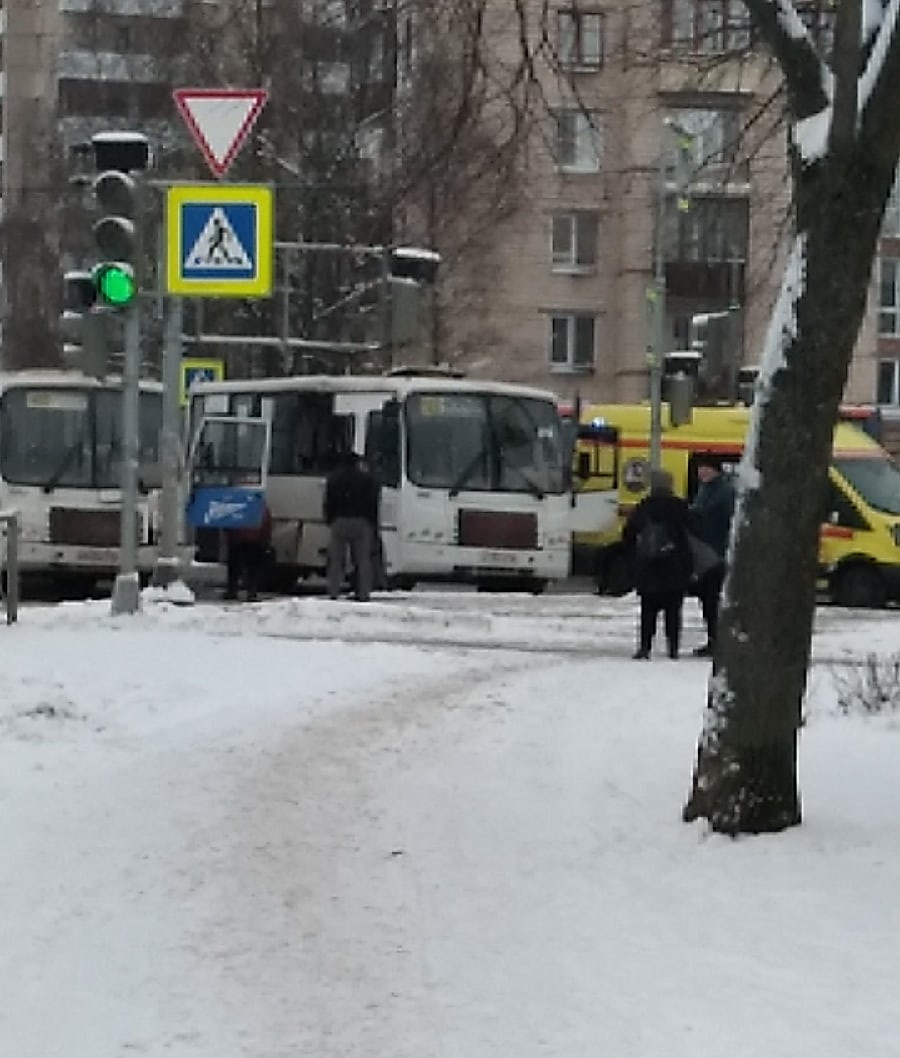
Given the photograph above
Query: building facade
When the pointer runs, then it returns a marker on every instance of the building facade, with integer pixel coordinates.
(76, 67)
(651, 161)
(656, 154)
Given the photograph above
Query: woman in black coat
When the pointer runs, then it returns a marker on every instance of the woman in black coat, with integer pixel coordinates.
(656, 535)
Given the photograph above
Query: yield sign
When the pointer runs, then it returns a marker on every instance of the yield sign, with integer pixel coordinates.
(220, 120)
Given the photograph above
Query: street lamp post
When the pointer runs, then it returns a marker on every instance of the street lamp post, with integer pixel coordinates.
(657, 293)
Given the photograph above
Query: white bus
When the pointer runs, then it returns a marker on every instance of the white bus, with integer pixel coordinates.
(475, 475)
(60, 460)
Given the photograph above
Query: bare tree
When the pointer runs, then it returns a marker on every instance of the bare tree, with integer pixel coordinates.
(844, 147)
(383, 126)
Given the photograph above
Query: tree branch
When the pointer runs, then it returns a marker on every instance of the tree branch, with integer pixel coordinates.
(846, 61)
(807, 79)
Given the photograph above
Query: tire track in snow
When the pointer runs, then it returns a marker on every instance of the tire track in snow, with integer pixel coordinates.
(324, 914)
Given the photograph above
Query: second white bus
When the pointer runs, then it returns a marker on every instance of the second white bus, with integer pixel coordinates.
(475, 475)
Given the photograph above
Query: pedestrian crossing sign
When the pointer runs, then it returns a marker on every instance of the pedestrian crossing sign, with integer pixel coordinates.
(196, 369)
(219, 240)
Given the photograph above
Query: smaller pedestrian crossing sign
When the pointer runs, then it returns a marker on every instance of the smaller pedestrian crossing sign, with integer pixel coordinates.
(198, 369)
(219, 240)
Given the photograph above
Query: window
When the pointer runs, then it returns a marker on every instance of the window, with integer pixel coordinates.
(577, 141)
(572, 337)
(706, 26)
(889, 297)
(818, 17)
(72, 437)
(713, 229)
(875, 478)
(714, 139)
(484, 441)
(580, 39)
(891, 224)
(889, 382)
(574, 240)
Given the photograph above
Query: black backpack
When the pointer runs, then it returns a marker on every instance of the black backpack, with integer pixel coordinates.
(654, 543)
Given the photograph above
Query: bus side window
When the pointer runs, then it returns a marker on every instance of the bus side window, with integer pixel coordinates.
(382, 450)
(841, 510)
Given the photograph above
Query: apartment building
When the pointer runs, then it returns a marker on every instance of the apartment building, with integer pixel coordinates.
(75, 67)
(650, 156)
(657, 155)
(70, 68)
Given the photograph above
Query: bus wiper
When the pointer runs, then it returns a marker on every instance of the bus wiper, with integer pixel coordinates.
(531, 485)
(64, 464)
(466, 473)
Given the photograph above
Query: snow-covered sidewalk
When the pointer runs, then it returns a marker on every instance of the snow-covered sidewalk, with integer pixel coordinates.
(231, 832)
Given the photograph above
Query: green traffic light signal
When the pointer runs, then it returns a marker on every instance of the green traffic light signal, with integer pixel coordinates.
(116, 284)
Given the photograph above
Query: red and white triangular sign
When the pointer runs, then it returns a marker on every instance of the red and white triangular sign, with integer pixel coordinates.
(220, 119)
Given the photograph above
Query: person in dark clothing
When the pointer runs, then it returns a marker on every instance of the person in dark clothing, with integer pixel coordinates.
(247, 552)
(712, 511)
(351, 513)
(656, 535)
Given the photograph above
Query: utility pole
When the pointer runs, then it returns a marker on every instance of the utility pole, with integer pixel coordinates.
(126, 597)
(657, 297)
(385, 308)
(657, 293)
(168, 568)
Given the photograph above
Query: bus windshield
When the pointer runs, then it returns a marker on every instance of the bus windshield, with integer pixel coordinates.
(71, 438)
(876, 479)
(481, 441)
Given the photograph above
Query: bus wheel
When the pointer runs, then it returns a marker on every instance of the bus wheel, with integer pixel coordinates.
(859, 586)
(401, 583)
(537, 586)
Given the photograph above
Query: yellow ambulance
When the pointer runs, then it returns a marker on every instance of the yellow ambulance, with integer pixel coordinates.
(859, 549)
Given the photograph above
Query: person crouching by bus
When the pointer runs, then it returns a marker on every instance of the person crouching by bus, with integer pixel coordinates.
(656, 535)
(247, 554)
(351, 513)
(712, 511)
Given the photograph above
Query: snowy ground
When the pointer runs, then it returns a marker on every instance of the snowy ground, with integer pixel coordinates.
(438, 825)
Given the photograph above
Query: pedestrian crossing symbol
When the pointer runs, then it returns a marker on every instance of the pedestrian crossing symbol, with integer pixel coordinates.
(219, 240)
(218, 248)
(198, 369)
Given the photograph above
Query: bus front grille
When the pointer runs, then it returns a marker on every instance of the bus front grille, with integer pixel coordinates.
(497, 529)
(84, 528)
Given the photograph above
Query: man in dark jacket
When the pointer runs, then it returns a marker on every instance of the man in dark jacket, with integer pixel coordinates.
(351, 513)
(656, 535)
(712, 511)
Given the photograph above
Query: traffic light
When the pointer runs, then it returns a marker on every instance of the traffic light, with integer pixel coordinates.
(411, 269)
(117, 190)
(410, 262)
(83, 325)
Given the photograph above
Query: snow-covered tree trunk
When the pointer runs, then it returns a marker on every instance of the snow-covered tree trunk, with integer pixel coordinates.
(845, 140)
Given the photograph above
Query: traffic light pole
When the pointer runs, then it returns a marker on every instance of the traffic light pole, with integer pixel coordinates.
(126, 597)
(167, 569)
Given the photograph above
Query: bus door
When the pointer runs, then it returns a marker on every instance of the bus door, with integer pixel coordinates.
(228, 468)
(382, 453)
(595, 500)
